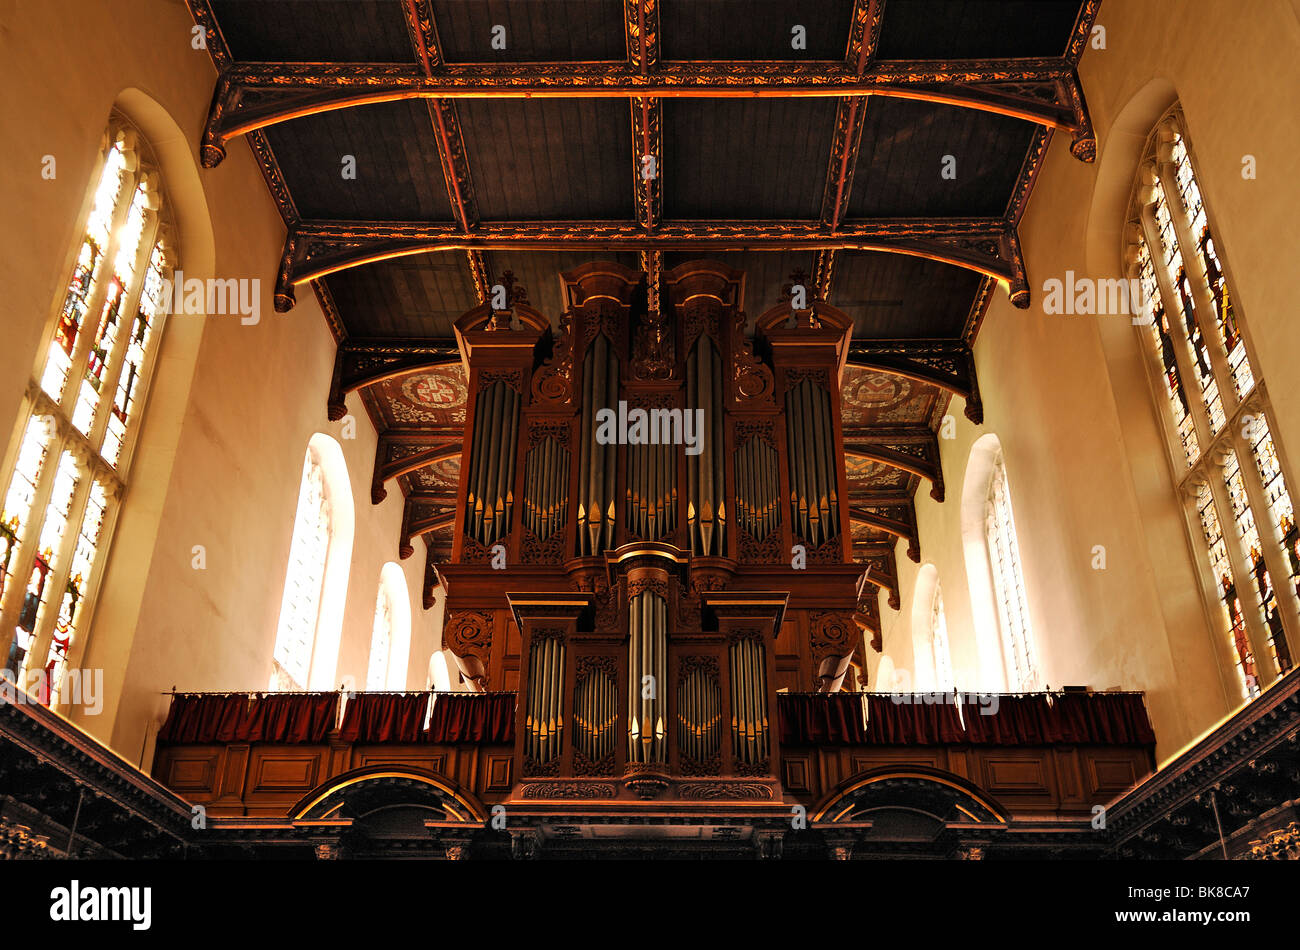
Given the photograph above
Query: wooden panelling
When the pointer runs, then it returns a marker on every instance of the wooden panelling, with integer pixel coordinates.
(904, 142)
(284, 771)
(268, 780)
(746, 158)
(1109, 773)
(314, 31)
(1031, 780)
(498, 772)
(193, 774)
(368, 756)
(1017, 774)
(797, 774)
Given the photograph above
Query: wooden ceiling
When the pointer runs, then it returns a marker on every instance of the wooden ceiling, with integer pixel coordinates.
(829, 159)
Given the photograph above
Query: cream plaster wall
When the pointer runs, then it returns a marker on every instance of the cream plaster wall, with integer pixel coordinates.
(1067, 397)
(232, 407)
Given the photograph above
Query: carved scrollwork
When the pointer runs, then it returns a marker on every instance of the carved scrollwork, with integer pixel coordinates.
(767, 551)
(512, 378)
(536, 790)
(832, 633)
(713, 791)
(652, 584)
(468, 633)
(754, 385)
(550, 551)
(554, 381)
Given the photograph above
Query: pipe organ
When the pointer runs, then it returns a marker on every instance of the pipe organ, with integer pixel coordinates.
(672, 457)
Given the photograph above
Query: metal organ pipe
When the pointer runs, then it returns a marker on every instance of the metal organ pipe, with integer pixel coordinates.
(543, 723)
(756, 493)
(698, 701)
(706, 506)
(748, 702)
(814, 500)
(647, 656)
(546, 488)
(596, 478)
(490, 497)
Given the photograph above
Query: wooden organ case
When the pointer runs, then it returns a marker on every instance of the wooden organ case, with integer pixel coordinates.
(647, 595)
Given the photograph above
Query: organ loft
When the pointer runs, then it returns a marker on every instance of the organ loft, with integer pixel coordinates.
(647, 597)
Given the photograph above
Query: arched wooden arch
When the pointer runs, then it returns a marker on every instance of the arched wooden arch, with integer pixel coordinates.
(388, 785)
(943, 795)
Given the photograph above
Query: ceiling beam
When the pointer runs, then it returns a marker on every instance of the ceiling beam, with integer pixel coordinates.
(948, 364)
(250, 96)
(423, 32)
(989, 246)
(420, 454)
(918, 455)
(359, 363)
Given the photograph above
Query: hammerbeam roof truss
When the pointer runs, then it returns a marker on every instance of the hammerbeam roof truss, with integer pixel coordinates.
(252, 99)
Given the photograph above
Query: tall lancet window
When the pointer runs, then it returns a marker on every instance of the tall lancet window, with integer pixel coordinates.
(390, 636)
(381, 641)
(295, 637)
(1227, 466)
(70, 455)
(1009, 584)
(943, 680)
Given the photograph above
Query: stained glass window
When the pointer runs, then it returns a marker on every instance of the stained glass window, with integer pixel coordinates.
(295, 637)
(1164, 348)
(72, 458)
(1242, 509)
(1009, 584)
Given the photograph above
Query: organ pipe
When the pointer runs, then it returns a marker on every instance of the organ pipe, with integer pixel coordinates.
(546, 488)
(594, 715)
(597, 462)
(757, 496)
(706, 508)
(748, 702)
(814, 499)
(651, 491)
(647, 657)
(698, 716)
(490, 499)
(543, 723)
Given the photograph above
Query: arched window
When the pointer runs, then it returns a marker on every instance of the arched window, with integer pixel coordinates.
(943, 680)
(73, 446)
(316, 578)
(1216, 412)
(381, 641)
(390, 638)
(931, 655)
(1009, 583)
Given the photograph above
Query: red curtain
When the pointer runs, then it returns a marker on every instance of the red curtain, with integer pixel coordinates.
(912, 723)
(1071, 718)
(820, 718)
(1103, 719)
(472, 717)
(291, 717)
(1015, 720)
(384, 717)
(203, 718)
